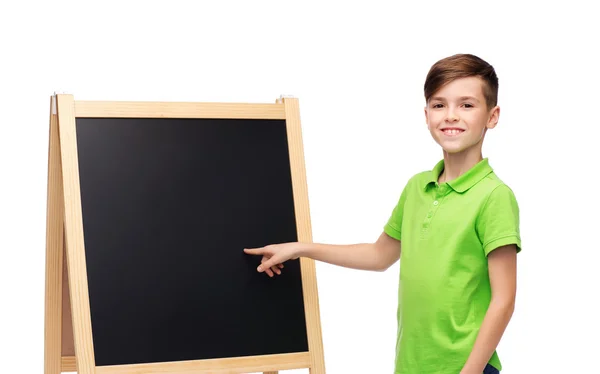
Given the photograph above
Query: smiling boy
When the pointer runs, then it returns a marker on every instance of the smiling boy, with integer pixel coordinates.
(455, 229)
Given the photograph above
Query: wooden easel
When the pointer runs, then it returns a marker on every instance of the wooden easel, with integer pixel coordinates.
(68, 344)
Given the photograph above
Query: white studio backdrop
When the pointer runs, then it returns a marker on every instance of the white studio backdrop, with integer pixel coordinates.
(358, 70)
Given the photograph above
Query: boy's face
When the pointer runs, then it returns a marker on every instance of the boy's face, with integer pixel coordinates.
(457, 115)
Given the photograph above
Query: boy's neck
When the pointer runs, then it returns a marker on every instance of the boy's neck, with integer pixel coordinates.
(456, 164)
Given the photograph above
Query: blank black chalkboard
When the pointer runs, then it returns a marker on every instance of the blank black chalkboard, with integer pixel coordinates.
(168, 206)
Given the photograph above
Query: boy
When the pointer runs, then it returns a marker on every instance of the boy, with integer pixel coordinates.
(456, 230)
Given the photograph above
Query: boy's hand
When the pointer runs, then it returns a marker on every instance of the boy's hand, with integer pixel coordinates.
(274, 256)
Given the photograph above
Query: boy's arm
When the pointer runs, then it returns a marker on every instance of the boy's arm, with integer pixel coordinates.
(376, 256)
(503, 278)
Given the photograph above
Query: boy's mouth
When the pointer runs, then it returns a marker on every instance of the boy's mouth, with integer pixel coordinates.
(452, 131)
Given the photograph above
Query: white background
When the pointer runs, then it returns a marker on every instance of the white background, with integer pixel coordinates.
(358, 70)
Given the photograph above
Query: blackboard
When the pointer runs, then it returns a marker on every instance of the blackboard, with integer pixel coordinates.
(150, 205)
(168, 204)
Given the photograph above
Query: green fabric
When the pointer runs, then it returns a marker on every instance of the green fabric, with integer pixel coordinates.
(447, 230)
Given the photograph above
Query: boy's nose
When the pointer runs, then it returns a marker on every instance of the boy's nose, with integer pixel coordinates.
(451, 117)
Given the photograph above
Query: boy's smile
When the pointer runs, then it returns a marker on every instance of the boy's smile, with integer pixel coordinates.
(452, 131)
(457, 115)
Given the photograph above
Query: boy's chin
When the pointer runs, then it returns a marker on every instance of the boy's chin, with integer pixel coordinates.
(456, 146)
(453, 149)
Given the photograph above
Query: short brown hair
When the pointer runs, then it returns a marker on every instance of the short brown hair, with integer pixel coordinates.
(461, 66)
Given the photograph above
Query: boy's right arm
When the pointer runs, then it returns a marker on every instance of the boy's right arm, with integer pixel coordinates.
(377, 256)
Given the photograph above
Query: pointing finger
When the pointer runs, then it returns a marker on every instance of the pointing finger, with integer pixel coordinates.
(254, 251)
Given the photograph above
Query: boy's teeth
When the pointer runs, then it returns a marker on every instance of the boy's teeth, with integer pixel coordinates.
(452, 131)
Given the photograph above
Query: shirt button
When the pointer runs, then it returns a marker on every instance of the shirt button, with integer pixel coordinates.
(435, 202)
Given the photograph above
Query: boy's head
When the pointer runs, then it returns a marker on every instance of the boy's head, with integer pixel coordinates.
(463, 66)
(461, 94)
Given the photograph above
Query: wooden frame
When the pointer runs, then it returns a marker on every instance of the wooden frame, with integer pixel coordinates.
(68, 344)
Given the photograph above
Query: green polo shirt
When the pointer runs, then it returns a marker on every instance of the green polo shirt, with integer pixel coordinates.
(447, 230)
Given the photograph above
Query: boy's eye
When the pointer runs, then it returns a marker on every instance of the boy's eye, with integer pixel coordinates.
(438, 105)
(467, 105)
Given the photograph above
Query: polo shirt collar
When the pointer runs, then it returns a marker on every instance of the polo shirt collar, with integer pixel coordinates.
(466, 180)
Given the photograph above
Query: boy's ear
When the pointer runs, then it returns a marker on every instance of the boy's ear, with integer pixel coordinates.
(494, 117)
(426, 116)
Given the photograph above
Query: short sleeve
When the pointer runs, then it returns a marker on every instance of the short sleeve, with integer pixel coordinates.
(393, 227)
(498, 221)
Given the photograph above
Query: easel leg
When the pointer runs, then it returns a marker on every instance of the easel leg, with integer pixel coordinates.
(309, 276)
(54, 253)
(74, 241)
